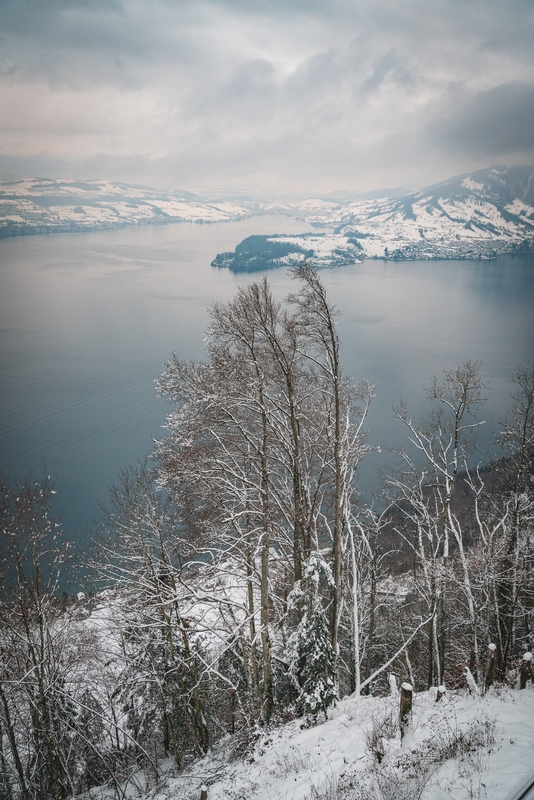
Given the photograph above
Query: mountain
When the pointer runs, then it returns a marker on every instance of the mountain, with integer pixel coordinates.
(476, 215)
(43, 205)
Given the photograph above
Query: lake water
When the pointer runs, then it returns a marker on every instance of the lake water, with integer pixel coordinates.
(87, 321)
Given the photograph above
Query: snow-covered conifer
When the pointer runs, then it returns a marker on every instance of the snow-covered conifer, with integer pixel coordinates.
(313, 662)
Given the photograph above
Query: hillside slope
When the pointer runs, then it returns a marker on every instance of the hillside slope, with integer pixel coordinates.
(42, 205)
(477, 215)
(464, 748)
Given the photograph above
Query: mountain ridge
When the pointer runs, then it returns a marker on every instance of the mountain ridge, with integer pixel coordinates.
(474, 215)
(44, 205)
(478, 214)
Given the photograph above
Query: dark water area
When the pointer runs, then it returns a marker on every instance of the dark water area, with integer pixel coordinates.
(87, 321)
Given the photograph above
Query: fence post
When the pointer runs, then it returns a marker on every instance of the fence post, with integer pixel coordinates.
(405, 713)
(440, 692)
(490, 666)
(526, 670)
(203, 793)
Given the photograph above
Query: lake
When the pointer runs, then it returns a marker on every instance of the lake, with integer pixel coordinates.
(87, 321)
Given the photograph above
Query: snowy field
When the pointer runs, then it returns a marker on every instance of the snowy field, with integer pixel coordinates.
(462, 748)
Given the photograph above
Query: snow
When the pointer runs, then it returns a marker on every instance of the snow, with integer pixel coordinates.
(462, 220)
(469, 183)
(299, 760)
(75, 205)
(327, 249)
(426, 225)
(294, 760)
(473, 687)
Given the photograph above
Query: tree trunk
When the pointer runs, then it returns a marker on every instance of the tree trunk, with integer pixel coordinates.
(268, 699)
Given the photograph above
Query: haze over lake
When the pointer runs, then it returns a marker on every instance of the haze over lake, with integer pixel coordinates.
(88, 320)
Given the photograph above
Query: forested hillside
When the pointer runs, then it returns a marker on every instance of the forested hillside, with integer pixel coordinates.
(243, 582)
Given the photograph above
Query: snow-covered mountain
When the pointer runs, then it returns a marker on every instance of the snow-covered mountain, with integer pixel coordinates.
(42, 205)
(478, 215)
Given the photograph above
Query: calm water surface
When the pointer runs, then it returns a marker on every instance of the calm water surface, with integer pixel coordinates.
(86, 322)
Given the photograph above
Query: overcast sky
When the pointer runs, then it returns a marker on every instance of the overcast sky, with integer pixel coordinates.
(298, 96)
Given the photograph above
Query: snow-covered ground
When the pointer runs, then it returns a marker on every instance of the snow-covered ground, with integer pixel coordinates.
(441, 229)
(471, 216)
(37, 205)
(459, 218)
(461, 748)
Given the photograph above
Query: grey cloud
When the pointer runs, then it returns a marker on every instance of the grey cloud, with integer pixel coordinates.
(496, 122)
(390, 65)
(247, 81)
(13, 167)
(351, 94)
(94, 41)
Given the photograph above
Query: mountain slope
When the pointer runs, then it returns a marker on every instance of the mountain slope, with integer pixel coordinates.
(463, 748)
(475, 215)
(42, 205)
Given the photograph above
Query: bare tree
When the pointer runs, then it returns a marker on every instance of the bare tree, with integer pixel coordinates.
(162, 676)
(46, 711)
(517, 439)
(345, 409)
(443, 443)
(272, 434)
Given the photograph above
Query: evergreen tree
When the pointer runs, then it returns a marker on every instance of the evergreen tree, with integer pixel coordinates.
(314, 662)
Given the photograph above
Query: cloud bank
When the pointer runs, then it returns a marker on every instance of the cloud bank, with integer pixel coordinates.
(298, 96)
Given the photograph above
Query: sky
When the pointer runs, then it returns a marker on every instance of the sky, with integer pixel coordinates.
(265, 97)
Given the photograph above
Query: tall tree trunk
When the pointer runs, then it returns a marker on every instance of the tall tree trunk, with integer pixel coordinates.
(268, 699)
(252, 630)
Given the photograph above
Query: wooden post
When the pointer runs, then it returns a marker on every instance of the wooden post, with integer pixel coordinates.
(440, 692)
(526, 670)
(405, 713)
(490, 666)
(203, 793)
